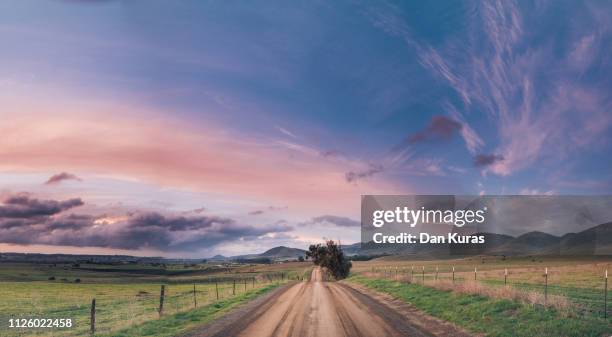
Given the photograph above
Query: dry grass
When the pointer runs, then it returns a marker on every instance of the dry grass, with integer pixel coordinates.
(558, 302)
(577, 272)
(471, 287)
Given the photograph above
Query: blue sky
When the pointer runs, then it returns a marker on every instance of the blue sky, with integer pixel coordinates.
(280, 105)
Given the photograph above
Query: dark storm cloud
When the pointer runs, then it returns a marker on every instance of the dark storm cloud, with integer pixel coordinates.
(180, 234)
(338, 221)
(439, 128)
(58, 178)
(24, 220)
(179, 223)
(353, 176)
(71, 222)
(487, 159)
(22, 206)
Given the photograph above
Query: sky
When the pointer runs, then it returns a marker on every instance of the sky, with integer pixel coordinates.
(195, 128)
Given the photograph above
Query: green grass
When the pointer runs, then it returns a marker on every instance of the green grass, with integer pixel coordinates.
(494, 317)
(126, 296)
(589, 301)
(117, 305)
(171, 325)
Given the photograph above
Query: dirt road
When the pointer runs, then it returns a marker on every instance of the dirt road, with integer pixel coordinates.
(317, 309)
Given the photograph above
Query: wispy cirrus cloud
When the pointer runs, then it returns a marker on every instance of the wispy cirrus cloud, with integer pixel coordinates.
(540, 114)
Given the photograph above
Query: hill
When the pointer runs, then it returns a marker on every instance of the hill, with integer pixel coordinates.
(283, 252)
(595, 240)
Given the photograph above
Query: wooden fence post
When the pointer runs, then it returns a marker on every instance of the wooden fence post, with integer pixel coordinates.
(253, 282)
(436, 273)
(195, 300)
(234, 288)
(475, 271)
(245, 280)
(545, 285)
(412, 274)
(161, 299)
(606, 296)
(217, 289)
(92, 319)
(423, 274)
(453, 274)
(506, 276)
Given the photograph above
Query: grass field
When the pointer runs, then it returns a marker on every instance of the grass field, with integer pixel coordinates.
(126, 296)
(569, 301)
(491, 316)
(580, 279)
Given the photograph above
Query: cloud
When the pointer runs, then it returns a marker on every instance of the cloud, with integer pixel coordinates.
(439, 128)
(199, 210)
(334, 220)
(330, 153)
(286, 132)
(58, 178)
(472, 140)
(487, 159)
(179, 223)
(22, 206)
(535, 191)
(533, 87)
(24, 220)
(269, 208)
(373, 169)
(202, 159)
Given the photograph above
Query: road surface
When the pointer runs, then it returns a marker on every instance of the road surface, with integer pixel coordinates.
(319, 309)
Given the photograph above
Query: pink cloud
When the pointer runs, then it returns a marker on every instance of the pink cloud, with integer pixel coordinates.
(116, 141)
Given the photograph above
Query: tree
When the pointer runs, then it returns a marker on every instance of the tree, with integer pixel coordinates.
(331, 257)
(301, 259)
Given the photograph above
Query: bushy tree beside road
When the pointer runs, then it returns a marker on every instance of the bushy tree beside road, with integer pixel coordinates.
(330, 256)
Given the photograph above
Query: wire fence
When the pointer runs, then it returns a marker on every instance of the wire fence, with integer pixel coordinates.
(543, 287)
(107, 308)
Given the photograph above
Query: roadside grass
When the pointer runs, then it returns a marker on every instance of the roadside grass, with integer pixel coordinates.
(590, 300)
(491, 316)
(122, 300)
(176, 324)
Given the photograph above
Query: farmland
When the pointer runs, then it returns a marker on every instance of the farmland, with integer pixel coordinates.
(550, 295)
(126, 295)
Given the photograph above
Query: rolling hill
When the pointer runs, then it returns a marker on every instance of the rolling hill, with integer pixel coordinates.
(595, 240)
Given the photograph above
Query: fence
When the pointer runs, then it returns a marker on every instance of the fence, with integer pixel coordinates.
(588, 299)
(105, 308)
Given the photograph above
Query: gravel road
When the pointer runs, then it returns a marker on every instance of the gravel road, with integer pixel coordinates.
(321, 309)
